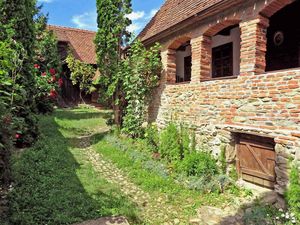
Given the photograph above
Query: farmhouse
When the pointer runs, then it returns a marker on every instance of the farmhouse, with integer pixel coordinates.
(231, 72)
(81, 44)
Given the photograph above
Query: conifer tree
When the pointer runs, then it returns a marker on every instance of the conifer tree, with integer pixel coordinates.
(20, 15)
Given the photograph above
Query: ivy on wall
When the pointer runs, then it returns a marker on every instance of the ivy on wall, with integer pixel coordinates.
(140, 74)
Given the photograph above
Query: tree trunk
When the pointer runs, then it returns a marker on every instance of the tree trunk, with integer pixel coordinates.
(80, 95)
(116, 109)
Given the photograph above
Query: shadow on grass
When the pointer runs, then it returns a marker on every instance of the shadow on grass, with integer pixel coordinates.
(82, 114)
(87, 141)
(53, 186)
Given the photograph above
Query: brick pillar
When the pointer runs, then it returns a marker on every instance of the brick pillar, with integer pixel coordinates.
(171, 66)
(253, 46)
(201, 58)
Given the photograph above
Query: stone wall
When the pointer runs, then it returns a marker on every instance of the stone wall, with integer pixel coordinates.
(255, 102)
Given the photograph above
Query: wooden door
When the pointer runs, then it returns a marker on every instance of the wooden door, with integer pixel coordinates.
(256, 160)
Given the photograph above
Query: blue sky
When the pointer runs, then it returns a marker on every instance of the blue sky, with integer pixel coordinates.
(82, 13)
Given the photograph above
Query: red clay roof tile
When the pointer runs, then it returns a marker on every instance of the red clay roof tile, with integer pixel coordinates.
(81, 41)
(173, 12)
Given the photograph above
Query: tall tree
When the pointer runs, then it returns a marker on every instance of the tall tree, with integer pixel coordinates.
(46, 50)
(20, 14)
(111, 37)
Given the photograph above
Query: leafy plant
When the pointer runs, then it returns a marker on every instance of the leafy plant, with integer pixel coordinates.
(263, 214)
(293, 192)
(152, 136)
(140, 75)
(81, 74)
(222, 160)
(200, 164)
(111, 36)
(170, 148)
(46, 49)
(48, 84)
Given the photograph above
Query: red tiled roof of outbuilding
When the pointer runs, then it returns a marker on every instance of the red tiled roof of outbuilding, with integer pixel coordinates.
(81, 41)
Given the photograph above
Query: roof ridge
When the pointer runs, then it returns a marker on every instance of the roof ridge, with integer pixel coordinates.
(71, 28)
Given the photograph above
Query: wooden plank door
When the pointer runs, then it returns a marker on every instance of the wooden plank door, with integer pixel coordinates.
(256, 160)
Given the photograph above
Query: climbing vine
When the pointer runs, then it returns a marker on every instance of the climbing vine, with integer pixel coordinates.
(140, 75)
(128, 77)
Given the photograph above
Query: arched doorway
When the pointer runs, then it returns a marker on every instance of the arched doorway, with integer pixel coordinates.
(283, 38)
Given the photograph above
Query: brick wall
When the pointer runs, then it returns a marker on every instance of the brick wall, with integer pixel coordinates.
(259, 103)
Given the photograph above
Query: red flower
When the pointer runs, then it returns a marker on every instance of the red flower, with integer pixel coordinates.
(52, 71)
(53, 78)
(53, 94)
(18, 136)
(44, 74)
(37, 66)
(60, 82)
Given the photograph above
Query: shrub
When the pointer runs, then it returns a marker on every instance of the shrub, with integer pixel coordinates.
(293, 192)
(170, 148)
(222, 159)
(198, 164)
(184, 140)
(47, 85)
(264, 214)
(152, 137)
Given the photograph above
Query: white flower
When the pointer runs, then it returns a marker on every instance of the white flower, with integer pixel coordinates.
(282, 215)
(280, 210)
(287, 216)
(277, 218)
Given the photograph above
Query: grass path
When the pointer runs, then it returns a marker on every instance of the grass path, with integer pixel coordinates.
(152, 210)
(55, 183)
(78, 172)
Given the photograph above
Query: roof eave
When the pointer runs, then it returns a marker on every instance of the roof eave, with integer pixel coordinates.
(211, 11)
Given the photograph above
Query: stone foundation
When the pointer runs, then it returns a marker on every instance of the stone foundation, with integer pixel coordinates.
(266, 105)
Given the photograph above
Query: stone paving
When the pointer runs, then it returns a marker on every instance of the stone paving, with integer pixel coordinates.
(156, 209)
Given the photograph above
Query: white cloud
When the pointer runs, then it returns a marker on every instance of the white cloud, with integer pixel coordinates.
(136, 15)
(86, 20)
(135, 27)
(152, 13)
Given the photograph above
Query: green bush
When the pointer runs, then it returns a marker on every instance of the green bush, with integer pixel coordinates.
(222, 160)
(198, 164)
(293, 192)
(170, 148)
(184, 140)
(47, 84)
(152, 136)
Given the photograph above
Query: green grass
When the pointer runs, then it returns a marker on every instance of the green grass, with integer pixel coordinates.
(54, 184)
(185, 200)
